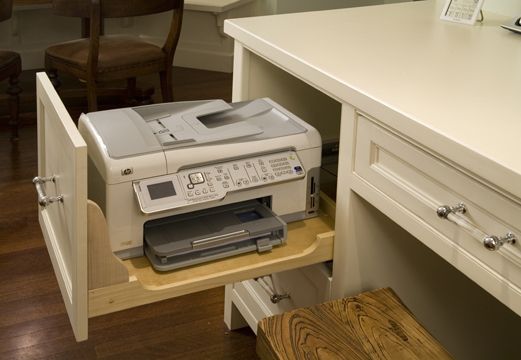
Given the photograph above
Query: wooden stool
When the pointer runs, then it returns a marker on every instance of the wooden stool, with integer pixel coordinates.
(372, 325)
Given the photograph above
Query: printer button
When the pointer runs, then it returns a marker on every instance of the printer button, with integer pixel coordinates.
(190, 186)
(190, 193)
(196, 178)
(205, 191)
(197, 192)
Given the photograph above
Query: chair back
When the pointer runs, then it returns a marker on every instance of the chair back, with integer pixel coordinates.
(6, 8)
(113, 8)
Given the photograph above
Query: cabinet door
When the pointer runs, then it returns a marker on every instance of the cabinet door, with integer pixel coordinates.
(62, 166)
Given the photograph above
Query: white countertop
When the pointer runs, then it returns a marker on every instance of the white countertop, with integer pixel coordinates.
(451, 87)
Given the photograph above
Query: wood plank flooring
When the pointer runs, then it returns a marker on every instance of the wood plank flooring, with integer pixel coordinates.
(33, 321)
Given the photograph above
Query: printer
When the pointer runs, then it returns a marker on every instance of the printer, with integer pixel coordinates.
(189, 182)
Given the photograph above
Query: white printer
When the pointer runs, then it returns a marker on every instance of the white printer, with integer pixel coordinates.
(189, 182)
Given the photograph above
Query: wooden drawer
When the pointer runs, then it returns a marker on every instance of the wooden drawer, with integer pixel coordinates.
(306, 286)
(92, 280)
(418, 182)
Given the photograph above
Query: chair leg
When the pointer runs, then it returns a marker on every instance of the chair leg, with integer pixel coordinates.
(53, 76)
(166, 84)
(92, 99)
(131, 91)
(14, 105)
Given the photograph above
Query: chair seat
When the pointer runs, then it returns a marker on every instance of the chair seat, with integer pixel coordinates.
(113, 53)
(9, 59)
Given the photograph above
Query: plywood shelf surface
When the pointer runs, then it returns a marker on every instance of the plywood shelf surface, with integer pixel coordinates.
(309, 241)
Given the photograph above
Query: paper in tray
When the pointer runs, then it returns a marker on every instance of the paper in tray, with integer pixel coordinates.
(205, 235)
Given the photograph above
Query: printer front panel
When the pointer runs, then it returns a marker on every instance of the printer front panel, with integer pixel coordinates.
(213, 182)
(289, 200)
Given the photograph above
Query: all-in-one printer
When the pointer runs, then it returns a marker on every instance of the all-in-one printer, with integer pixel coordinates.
(189, 182)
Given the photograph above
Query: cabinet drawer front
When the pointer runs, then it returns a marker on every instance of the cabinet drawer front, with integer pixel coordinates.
(420, 182)
(306, 286)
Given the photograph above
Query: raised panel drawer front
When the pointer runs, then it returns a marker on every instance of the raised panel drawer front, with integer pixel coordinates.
(418, 182)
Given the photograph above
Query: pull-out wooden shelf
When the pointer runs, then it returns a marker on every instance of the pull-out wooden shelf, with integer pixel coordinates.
(309, 241)
(93, 281)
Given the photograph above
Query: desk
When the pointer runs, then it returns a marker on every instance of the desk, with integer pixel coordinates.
(427, 112)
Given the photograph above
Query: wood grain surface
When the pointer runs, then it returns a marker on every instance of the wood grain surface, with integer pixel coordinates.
(373, 325)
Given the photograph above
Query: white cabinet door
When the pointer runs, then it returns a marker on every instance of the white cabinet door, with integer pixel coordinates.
(62, 156)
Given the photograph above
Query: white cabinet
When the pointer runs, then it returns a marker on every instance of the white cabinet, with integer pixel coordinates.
(93, 281)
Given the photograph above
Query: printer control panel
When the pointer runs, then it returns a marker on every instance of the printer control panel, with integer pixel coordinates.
(213, 182)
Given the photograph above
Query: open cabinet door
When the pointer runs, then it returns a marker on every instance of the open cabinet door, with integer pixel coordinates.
(62, 193)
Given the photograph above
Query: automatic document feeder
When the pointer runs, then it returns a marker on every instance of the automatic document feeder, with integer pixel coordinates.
(190, 182)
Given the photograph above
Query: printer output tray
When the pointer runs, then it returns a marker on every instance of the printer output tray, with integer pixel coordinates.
(210, 234)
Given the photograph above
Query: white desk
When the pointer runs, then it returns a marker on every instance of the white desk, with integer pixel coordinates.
(429, 115)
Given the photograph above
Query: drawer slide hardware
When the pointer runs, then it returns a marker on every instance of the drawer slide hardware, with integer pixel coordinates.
(43, 198)
(490, 242)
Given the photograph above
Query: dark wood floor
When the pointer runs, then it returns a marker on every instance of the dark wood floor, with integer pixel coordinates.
(33, 321)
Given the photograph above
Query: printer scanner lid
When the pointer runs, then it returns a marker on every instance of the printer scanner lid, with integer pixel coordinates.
(135, 131)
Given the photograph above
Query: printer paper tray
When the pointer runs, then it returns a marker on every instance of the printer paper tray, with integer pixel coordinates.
(215, 233)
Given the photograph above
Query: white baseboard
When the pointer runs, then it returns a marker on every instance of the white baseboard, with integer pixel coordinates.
(203, 59)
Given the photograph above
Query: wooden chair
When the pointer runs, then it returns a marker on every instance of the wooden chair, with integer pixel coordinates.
(100, 58)
(10, 68)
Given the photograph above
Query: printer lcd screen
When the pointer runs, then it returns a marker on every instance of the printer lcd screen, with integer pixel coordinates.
(161, 190)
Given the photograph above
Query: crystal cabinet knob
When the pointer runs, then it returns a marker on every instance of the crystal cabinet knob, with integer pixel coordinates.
(444, 210)
(494, 243)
